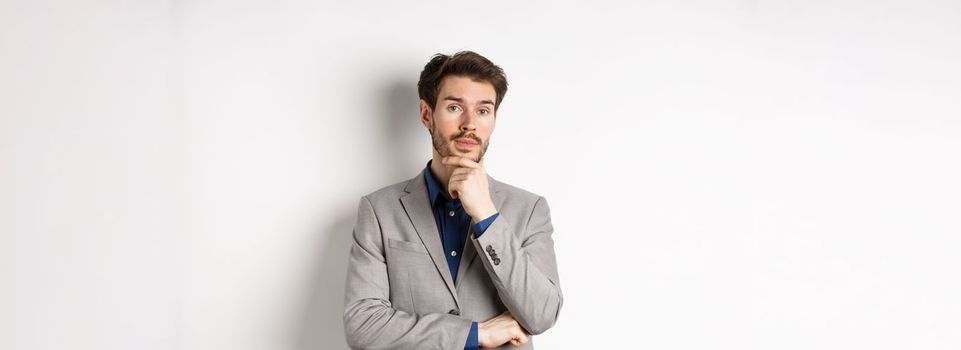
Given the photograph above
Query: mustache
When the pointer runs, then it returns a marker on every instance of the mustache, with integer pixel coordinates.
(466, 135)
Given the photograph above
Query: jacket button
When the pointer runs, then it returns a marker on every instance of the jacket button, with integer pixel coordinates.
(497, 261)
(489, 248)
(454, 312)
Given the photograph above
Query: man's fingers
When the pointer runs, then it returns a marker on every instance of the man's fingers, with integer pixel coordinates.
(452, 187)
(459, 161)
(520, 338)
(461, 174)
(461, 171)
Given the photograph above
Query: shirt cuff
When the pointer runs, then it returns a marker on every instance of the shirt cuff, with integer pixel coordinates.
(472, 343)
(482, 226)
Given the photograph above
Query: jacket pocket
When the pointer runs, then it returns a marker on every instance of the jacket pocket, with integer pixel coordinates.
(416, 247)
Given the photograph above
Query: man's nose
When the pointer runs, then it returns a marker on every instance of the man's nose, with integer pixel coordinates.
(467, 124)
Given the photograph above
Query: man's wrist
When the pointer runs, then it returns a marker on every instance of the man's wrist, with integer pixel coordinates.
(481, 335)
(484, 214)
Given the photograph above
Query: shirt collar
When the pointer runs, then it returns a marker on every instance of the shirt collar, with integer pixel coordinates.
(433, 188)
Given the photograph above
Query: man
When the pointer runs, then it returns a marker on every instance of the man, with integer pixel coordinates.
(452, 258)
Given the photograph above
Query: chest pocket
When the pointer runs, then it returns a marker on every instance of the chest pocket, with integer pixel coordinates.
(415, 247)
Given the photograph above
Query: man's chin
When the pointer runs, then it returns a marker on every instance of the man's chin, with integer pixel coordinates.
(469, 154)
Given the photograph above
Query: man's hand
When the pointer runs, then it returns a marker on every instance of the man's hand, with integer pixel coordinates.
(499, 330)
(468, 181)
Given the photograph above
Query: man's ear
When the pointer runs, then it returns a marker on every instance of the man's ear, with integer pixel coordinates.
(425, 114)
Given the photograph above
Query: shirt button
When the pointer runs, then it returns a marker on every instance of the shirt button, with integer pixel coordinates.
(453, 253)
(451, 213)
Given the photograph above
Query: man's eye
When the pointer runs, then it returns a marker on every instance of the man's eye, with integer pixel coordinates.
(484, 111)
(453, 108)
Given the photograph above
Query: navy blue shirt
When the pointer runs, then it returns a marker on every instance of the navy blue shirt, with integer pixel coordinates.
(452, 225)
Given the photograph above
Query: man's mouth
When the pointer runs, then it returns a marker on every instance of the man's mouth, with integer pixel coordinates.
(465, 142)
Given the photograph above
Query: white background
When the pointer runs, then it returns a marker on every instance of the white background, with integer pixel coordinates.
(722, 174)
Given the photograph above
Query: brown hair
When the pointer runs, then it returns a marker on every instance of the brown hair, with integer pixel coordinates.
(464, 63)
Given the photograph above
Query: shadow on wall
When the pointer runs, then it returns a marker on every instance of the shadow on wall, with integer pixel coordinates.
(404, 136)
(322, 323)
(322, 327)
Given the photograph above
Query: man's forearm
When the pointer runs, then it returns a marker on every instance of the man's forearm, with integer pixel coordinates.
(524, 270)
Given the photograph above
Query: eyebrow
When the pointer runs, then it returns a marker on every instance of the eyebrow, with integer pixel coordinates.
(461, 100)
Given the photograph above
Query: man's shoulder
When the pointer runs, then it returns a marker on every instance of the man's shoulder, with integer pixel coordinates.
(513, 193)
(389, 192)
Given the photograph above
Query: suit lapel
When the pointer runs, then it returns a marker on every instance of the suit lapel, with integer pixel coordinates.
(417, 206)
(469, 252)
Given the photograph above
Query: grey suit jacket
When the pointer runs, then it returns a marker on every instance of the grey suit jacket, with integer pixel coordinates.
(399, 292)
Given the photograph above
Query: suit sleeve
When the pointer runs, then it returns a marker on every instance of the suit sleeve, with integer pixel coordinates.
(370, 322)
(523, 267)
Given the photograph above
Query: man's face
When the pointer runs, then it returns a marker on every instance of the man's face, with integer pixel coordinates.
(462, 121)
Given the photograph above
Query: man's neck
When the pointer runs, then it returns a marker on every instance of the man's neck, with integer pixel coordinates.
(440, 171)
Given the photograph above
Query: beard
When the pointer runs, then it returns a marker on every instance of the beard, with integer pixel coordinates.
(446, 148)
